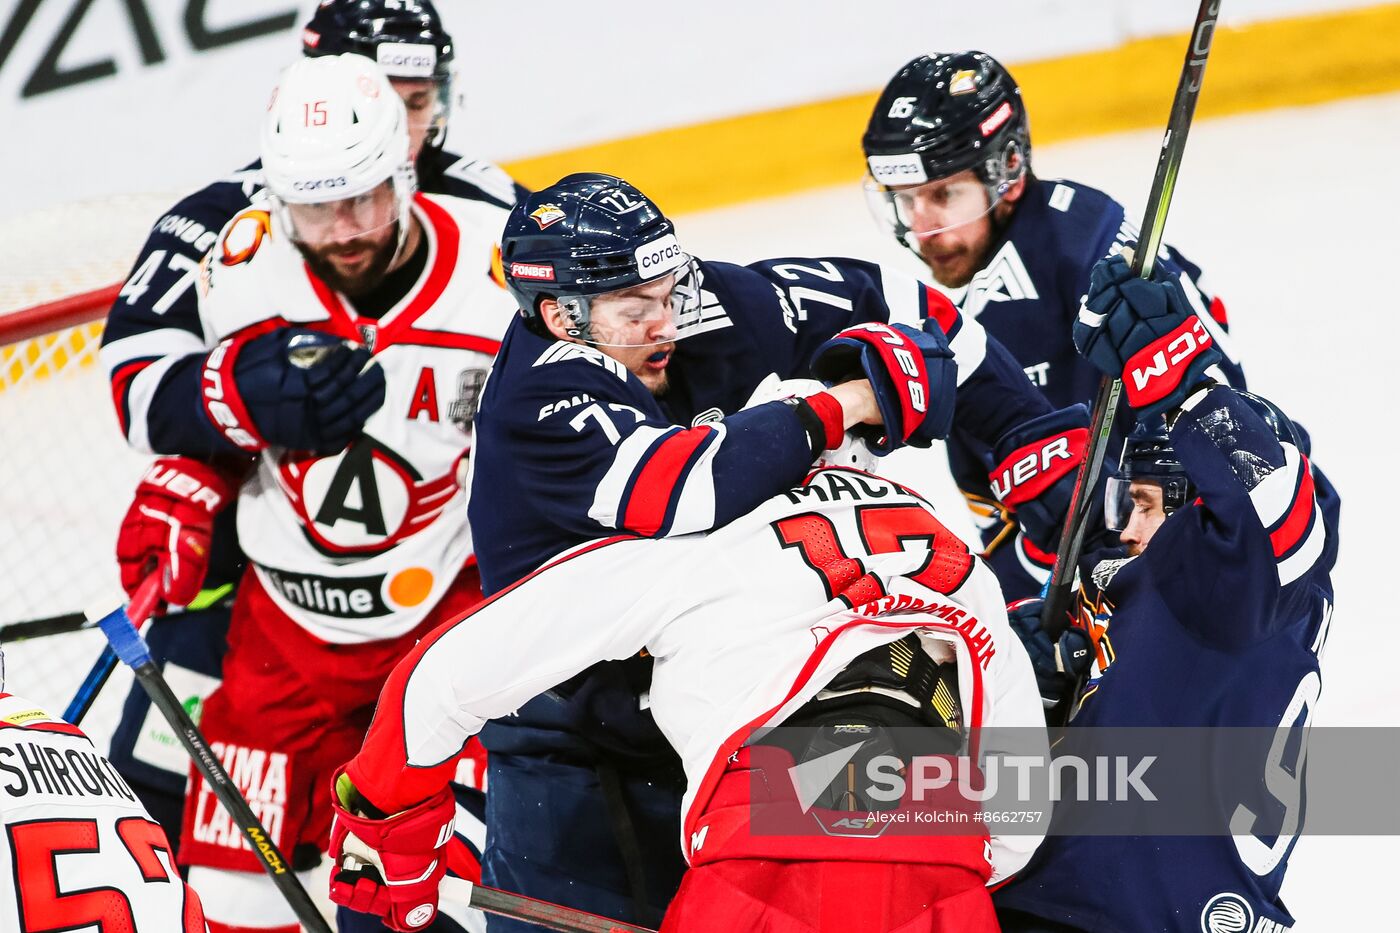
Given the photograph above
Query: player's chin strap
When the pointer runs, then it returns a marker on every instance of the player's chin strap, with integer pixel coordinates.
(502, 903)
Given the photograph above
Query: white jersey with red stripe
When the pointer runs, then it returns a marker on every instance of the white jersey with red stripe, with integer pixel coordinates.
(78, 849)
(746, 622)
(360, 545)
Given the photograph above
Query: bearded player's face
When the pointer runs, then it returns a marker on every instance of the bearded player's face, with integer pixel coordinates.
(349, 244)
(955, 223)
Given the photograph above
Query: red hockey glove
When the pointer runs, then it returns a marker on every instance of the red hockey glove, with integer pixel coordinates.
(390, 867)
(169, 526)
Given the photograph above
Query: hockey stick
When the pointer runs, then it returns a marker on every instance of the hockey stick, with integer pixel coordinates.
(128, 645)
(1054, 617)
(143, 603)
(65, 624)
(542, 913)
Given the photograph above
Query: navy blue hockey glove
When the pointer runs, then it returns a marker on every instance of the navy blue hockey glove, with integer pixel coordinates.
(293, 388)
(1036, 464)
(1144, 333)
(1059, 663)
(913, 376)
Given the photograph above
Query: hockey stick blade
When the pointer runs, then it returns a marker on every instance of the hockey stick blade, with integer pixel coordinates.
(131, 648)
(1055, 614)
(541, 913)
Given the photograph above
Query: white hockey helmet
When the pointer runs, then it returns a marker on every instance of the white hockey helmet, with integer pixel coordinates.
(853, 452)
(335, 131)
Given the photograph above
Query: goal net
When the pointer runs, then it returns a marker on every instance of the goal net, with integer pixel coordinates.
(66, 474)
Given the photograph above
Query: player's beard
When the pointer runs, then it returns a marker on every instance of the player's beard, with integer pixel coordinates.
(369, 274)
(969, 255)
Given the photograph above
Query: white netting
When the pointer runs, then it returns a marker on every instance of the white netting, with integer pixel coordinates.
(66, 474)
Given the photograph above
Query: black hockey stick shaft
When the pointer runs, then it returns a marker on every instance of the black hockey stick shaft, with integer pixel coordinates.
(1055, 614)
(541, 913)
(132, 650)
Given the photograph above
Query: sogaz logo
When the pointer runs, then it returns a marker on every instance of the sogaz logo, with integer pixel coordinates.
(659, 256)
(897, 169)
(321, 184)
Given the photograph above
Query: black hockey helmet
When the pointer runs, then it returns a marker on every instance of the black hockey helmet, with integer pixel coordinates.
(405, 37)
(1148, 455)
(585, 235)
(942, 114)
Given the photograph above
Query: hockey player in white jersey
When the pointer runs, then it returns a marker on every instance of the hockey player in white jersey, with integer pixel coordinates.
(748, 624)
(353, 320)
(78, 850)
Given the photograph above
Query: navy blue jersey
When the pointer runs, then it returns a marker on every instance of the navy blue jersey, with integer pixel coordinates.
(571, 447)
(1027, 296)
(154, 340)
(1218, 623)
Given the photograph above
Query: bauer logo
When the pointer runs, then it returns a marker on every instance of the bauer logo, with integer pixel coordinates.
(897, 169)
(659, 256)
(406, 59)
(532, 270)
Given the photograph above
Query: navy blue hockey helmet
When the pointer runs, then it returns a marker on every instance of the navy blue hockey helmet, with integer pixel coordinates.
(939, 115)
(1148, 455)
(405, 38)
(584, 236)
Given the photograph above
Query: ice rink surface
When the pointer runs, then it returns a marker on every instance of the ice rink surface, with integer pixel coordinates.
(1288, 212)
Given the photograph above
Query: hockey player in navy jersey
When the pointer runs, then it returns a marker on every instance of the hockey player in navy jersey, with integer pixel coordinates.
(1214, 614)
(152, 333)
(948, 150)
(615, 407)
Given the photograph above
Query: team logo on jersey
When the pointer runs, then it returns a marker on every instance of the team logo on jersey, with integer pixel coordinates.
(1227, 913)
(963, 82)
(244, 237)
(547, 214)
(363, 500)
(1004, 279)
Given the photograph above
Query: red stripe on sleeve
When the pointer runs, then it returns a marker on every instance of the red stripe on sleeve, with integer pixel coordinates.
(462, 861)
(940, 308)
(652, 492)
(121, 381)
(832, 417)
(1286, 536)
(1218, 312)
